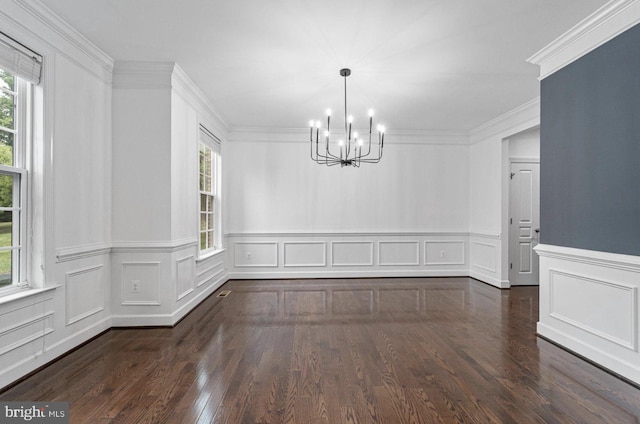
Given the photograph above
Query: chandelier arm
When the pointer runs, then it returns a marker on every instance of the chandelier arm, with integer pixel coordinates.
(329, 154)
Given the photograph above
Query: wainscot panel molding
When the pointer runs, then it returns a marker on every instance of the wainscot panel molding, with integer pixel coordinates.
(24, 324)
(172, 318)
(304, 253)
(441, 252)
(589, 304)
(485, 258)
(185, 276)
(399, 253)
(351, 253)
(606, 23)
(140, 283)
(255, 254)
(344, 255)
(84, 293)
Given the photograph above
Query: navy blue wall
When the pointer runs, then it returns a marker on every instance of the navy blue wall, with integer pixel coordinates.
(590, 150)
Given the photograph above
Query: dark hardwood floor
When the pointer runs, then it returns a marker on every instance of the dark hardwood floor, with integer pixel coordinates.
(412, 350)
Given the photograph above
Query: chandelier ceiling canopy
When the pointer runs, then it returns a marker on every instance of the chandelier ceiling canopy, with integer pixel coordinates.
(351, 149)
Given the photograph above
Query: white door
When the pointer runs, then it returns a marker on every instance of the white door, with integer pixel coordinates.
(524, 223)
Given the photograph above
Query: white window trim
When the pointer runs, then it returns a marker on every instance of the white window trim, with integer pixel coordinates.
(22, 116)
(208, 139)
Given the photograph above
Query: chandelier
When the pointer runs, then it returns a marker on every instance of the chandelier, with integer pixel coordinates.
(352, 149)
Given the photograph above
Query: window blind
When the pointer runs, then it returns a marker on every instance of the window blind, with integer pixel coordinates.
(19, 60)
(209, 139)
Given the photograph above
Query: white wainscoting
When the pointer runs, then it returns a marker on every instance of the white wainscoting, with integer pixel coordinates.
(304, 253)
(344, 255)
(170, 280)
(399, 253)
(84, 293)
(589, 304)
(140, 284)
(352, 253)
(24, 324)
(439, 252)
(485, 259)
(185, 276)
(255, 254)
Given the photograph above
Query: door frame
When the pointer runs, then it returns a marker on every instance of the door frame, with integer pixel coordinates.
(508, 216)
(505, 179)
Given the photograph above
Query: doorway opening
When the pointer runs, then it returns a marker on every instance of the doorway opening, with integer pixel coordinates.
(522, 206)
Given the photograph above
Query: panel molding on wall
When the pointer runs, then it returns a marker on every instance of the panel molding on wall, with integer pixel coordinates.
(209, 272)
(84, 293)
(399, 253)
(444, 252)
(255, 254)
(351, 253)
(485, 256)
(347, 255)
(622, 307)
(304, 254)
(147, 274)
(185, 276)
(589, 304)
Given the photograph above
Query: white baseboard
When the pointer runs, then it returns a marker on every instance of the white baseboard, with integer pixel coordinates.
(196, 300)
(266, 275)
(501, 284)
(33, 362)
(604, 359)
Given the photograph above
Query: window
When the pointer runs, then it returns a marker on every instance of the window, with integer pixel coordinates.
(20, 70)
(13, 119)
(209, 192)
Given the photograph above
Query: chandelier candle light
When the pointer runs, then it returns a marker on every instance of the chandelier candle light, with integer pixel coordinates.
(350, 145)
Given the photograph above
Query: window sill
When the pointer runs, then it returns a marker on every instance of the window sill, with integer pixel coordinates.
(209, 255)
(18, 294)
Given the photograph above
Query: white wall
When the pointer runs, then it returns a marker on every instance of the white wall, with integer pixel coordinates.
(157, 273)
(488, 204)
(112, 200)
(71, 198)
(286, 215)
(525, 145)
(275, 187)
(589, 300)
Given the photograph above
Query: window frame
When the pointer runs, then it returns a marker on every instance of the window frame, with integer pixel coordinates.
(22, 116)
(211, 144)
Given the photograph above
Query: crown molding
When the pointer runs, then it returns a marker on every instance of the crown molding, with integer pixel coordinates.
(209, 117)
(143, 75)
(523, 117)
(43, 25)
(609, 21)
(132, 75)
(301, 135)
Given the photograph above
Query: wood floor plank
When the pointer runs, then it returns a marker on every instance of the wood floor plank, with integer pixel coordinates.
(395, 350)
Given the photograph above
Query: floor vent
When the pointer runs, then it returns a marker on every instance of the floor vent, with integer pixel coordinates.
(224, 293)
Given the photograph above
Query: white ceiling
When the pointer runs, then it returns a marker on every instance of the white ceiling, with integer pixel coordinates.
(436, 65)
